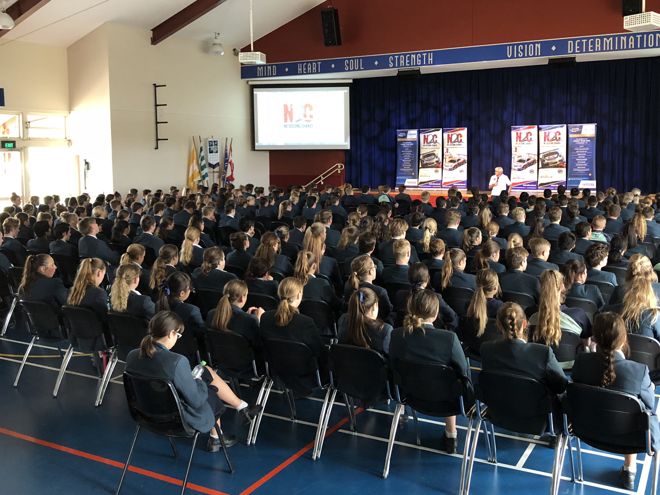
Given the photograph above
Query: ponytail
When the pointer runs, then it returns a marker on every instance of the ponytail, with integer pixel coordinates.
(160, 326)
(360, 302)
(423, 305)
(430, 228)
(304, 263)
(609, 332)
(213, 256)
(477, 309)
(360, 268)
(511, 320)
(84, 278)
(120, 288)
(455, 256)
(31, 271)
(169, 292)
(234, 290)
(134, 254)
(289, 289)
(166, 256)
(191, 236)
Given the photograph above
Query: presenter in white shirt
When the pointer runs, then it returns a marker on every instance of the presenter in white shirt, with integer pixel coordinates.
(499, 182)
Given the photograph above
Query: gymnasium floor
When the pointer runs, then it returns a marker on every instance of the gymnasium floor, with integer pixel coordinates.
(66, 445)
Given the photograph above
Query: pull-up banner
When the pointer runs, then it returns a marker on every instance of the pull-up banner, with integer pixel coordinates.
(552, 156)
(406, 157)
(524, 157)
(430, 158)
(582, 156)
(455, 158)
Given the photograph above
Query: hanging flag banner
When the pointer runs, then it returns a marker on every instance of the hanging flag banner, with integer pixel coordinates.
(213, 152)
(430, 158)
(524, 157)
(552, 156)
(406, 156)
(455, 158)
(582, 156)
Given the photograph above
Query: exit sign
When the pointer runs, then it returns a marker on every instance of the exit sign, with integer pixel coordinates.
(8, 145)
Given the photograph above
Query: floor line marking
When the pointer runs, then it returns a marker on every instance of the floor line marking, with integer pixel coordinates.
(51, 368)
(108, 462)
(523, 458)
(278, 469)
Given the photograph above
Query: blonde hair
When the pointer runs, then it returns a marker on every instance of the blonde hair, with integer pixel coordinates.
(304, 263)
(423, 305)
(269, 248)
(288, 290)
(511, 320)
(548, 326)
(430, 228)
(514, 240)
(125, 276)
(639, 295)
(398, 227)
(348, 237)
(84, 278)
(360, 267)
(191, 236)
(234, 291)
(314, 241)
(166, 256)
(133, 254)
(454, 257)
(487, 281)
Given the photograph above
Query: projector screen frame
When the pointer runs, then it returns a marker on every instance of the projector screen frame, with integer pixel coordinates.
(311, 85)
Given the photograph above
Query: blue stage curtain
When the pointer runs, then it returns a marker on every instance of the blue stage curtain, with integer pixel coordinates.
(622, 97)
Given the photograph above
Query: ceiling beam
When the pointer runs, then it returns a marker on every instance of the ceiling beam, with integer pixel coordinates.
(21, 10)
(182, 18)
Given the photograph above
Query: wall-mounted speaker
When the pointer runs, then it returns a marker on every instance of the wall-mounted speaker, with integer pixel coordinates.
(330, 21)
(632, 7)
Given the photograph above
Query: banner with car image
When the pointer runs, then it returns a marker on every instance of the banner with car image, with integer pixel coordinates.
(524, 157)
(552, 156)
(406, 156)
(430, 159)
(455, 158)
(582, 156)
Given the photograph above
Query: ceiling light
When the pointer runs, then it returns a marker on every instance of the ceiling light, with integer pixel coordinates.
(215, 46)
(6, 22)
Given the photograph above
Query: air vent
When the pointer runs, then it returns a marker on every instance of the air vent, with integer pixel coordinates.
(646, 21)
(252, 58)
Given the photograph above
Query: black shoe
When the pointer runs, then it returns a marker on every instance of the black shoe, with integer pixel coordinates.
(213, 445)
(627, 479)
(449, 444)
(250, 412)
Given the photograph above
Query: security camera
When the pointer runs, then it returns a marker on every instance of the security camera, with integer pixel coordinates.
(236, 51)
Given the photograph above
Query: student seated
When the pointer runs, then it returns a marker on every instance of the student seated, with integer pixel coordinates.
(429, 229)
(638, 266)
(418, 340)
(269, 251)
(453, 272)
(315, 288)
(39, 284)
(398, 273)
(347, 247)
(518, 226)
(515, 279)
(314, 241)
(640, 310)
(488, 258)
(575, 276)
(230, 316)
(596, 258)
(192, 254)
(124, 297)
(40, 244)
(239, 256)
(86, 292)
(452, 236)
(258, 278)
(367, 245)
(11, 244)
(91, 247)
(486, 300)
(287, 248)
(164, 266)
(564, 251)
(537, 262)
(363, 274)
(202, 398)
(609, 368)
(211, 275)
(360, 326)
(471, 241)
(61, 245)
(436, 254)
(618, 246)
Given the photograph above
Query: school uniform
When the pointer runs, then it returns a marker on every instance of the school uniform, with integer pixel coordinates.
(453, 237)
(515, 228)
(140, 306)
(47, 290)
(377, 338)
(95, 299)
(282, 265)
(395, 274)
(386, 253)
(447, 317)
(434, 263)
(330, 269)
(536, 266)
(215, 279)
(239, 259)
(296, 237)
(91, 247)
(5, 264)
(613, 226)
(553, 231)
(384, 303)
(181, 218)
(241, 323)
(195, 330)
(648, 325)
(39, 245)
(463, 280)
(518, 281)
(62, 248)
(300, 329)
(290, 250)
(319, 289)
(264, 287)
(601, 276)
(15, 250)
(561, 257)
(581, 246)
(586, 291)
(332, 237)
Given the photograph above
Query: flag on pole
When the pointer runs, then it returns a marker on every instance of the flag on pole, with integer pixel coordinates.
(203, 166)
(192, 176)
(225, 164)
(230, 178)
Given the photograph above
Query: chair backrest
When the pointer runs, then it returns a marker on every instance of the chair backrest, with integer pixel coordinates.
(359, 372)
(206, 300)
(236, 270)
(606, 289)
(645, 350)
(149, 257)
(525, 300)
(587, 305)
(607, 419)
(619, 271)
(223, 233)
(323, 316)
(261, 301)
(43, 320)
(127, 331)
(393, 288)
(83, 325)
(432, 389)
(290, 361)
(66, 268)
(11, 256)
(471, 343)
(568, 346)
(458, 298)
(515, 402)
(155, 405)
(15, 275)
(230, 352)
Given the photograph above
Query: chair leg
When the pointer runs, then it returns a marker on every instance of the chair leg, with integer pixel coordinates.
(351, 415)
(416, 422)
(128, 460)
(60, 375)
(466, 450)
(260, 395)
(25, 356)
(473, 453)
(326, 419)
(288, 394)
(257, 422)
(105, 379)
(558, 465)
(390, 444)
(173, 446)
(571, 458)
(579, 459)
(10, 313)
(319, 427)
(192, 453)
(224, 448)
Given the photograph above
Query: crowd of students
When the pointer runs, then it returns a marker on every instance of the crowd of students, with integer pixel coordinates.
(387, 269)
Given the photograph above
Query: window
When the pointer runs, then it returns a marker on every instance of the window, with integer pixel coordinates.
(11, 175)
(51, 170)
(10, 125)
(44, 126)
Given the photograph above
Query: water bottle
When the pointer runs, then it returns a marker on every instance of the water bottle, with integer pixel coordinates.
(198, 370)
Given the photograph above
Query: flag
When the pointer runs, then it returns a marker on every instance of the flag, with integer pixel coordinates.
(225, 164)
(230, 177)
(203, 168)
(193, 169)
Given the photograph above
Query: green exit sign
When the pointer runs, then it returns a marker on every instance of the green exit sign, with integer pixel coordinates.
(8, 145)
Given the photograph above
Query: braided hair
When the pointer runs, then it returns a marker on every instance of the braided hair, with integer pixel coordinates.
(511, 321)
(609, 332)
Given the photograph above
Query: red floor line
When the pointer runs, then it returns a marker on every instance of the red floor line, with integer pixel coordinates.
(274, 472)
(109, 462)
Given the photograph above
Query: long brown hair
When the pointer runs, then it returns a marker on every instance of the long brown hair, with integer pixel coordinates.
(453, 257)
(548, 326)
(485, 254)
(348, 237)
(609, 332)
(471, 238)
(213, 256)
(511, 321)
(167, 255)
(84, 278)
(234, 291)
(487, 281)
(304, 263)
(269, 248)
(360, 267)
(314, 241)
(31, 271)
(161, 325)
(288, 290)
(360, 303)
(423, 305)
(125, 275)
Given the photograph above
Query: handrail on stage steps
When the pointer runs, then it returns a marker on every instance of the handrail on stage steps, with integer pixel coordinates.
(336, 168)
